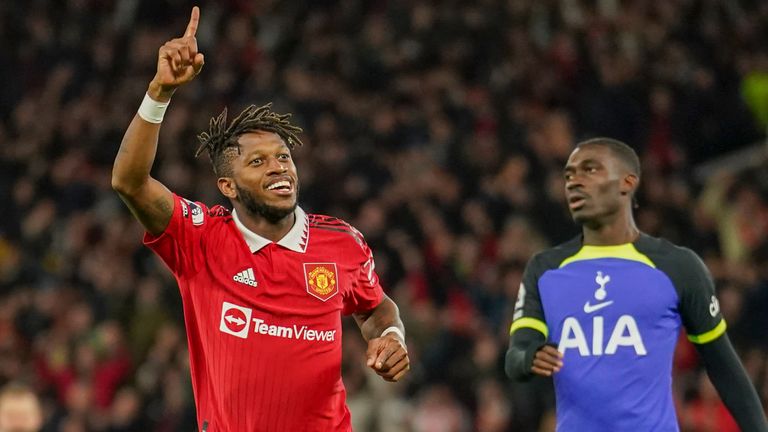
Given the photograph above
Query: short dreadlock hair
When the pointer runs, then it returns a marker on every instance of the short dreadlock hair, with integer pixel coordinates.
(221, 140)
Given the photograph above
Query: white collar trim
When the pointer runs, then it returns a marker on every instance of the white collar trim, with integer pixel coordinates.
(296, 239)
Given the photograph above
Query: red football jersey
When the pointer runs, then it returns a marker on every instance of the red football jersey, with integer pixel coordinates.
(263, 319)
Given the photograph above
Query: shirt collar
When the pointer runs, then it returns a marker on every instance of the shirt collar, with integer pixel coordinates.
(296, 239)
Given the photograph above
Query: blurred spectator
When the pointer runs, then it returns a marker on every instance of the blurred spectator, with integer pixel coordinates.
(706, 413)
(437, 410)
(20, 409)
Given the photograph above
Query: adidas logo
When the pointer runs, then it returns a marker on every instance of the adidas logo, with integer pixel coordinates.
(246, 277)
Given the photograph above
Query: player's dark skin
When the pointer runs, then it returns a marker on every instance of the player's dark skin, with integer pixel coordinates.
(264, 160)
(599, 189)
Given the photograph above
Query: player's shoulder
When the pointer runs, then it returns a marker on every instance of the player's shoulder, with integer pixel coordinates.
(552, 258)
(201, 215)
(673, 259)
(661, 249)
(335, 228)
(219, 211)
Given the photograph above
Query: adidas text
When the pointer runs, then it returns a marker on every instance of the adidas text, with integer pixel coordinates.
(246, 277)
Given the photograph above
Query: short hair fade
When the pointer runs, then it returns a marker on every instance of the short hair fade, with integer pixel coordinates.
(621, 150)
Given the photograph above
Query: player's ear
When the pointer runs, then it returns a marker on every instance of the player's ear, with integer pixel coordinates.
(629, 184)
(227, 187)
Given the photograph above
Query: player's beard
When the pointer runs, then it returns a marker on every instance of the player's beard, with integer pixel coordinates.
(258, 208)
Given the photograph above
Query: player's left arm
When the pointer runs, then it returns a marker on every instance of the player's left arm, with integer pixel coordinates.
(530, 352)
(705, 325)
(377, 316)
(382, 327)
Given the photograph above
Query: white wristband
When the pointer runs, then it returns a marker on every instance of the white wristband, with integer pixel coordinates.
(152, 110)
(394, 330)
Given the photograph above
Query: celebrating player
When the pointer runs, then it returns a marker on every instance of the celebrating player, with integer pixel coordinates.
(263, 286)
(602, 312)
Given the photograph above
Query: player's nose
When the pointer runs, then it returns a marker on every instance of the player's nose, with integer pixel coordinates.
(574, 183)
(276, 166)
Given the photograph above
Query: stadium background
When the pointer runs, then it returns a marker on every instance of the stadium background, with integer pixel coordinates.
(439, 129)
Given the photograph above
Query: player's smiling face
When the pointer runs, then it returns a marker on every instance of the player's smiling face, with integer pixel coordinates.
(265, 176)
(593, 184)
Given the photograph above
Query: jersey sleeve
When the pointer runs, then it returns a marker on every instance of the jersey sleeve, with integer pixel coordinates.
(180, 245)
(699, 307)
(366, 292)
(528, 310)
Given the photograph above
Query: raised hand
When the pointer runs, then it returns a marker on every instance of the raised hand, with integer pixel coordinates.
(178, 61)
(387, 357)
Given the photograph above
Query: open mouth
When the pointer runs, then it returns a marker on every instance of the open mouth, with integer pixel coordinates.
(281, 187)
(575, 202)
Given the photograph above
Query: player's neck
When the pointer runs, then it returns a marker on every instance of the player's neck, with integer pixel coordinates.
(620, 231)
(273, 231)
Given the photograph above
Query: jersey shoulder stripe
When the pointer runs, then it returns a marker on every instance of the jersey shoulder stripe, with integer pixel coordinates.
(327, 221)
(219, 211)
(319, 219)
(330, 223)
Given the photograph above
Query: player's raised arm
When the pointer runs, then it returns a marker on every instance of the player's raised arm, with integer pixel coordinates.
(178, 62)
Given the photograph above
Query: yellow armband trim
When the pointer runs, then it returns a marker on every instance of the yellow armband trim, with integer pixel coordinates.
(533, 323)
(710, 335)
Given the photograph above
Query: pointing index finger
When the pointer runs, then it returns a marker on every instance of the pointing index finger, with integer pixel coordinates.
(193, 20)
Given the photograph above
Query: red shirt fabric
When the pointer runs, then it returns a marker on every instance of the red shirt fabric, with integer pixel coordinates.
(263, 319)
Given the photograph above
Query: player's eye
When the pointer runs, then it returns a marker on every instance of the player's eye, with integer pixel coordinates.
(256, 161)
(283, 156)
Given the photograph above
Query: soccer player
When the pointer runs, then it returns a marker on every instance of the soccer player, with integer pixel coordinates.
(20, 409)
(602, 312)
(263, 286)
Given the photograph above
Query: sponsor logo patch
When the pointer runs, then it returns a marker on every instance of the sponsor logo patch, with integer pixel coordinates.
(714, 307)
(198, 217)
(235, 320)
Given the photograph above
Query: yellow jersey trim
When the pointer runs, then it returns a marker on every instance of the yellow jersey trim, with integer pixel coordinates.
(710, 335)
(625, 251)
(533, 323)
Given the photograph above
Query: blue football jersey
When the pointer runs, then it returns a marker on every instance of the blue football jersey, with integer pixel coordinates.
(615, 313)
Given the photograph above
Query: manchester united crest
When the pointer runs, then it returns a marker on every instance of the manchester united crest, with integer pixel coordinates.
(322, 280)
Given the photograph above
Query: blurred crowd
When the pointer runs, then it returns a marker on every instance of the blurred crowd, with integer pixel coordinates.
(438, 129)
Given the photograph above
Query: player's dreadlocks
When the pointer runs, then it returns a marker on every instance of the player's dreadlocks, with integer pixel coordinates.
(221, 140)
